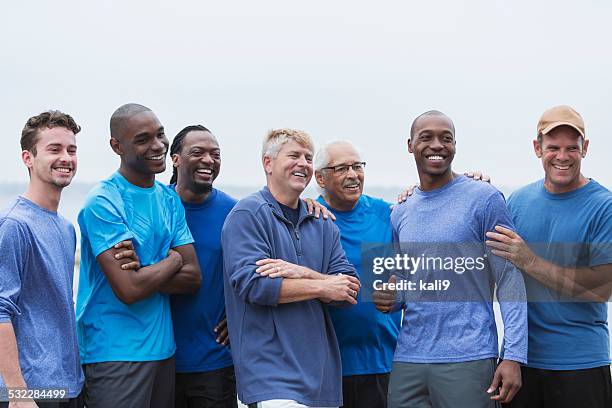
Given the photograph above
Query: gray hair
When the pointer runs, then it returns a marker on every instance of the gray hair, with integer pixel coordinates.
(322, 158)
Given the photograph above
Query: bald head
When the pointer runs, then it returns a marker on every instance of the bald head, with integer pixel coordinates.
(430, 113)
(121, 116)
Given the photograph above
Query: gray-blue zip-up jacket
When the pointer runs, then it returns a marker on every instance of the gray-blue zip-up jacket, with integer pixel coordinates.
(280, 351)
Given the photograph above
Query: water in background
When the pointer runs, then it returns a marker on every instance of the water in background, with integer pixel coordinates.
(73, 198)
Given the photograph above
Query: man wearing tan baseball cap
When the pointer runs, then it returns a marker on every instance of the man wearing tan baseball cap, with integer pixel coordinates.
(563, 245)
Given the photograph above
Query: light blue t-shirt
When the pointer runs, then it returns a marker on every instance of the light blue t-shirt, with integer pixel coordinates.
(36, 270)
(154, 219)
(366, 336)
(451, 222)
(571, 229)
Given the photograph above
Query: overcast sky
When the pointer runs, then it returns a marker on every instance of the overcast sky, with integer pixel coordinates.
(337, 69)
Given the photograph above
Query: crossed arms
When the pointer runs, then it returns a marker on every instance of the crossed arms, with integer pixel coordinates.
(179, 272)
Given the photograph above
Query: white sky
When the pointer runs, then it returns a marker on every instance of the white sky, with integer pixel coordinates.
(337, 69)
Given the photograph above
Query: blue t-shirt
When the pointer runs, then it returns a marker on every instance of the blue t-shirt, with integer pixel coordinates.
(154, 219)
(36, 270)
(571, 229)
(195, 316)
(366, 336)
(451, 222)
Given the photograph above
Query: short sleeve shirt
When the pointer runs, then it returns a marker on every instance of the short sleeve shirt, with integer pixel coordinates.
(154, 219)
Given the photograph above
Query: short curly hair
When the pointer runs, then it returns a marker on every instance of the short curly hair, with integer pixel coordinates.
(48, 119)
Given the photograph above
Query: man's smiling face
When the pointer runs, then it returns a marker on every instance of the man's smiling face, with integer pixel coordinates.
(144, 144)
(199, 161)
(55, 161)
(561, 151)
(433, 144)
(291, 169)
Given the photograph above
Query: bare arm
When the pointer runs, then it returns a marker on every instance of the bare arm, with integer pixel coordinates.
(297, 290)
(338, 288)
(189, 277)
(133, 285)
(589, 283)
(302, 283)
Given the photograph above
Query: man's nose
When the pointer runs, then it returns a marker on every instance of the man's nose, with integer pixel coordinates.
(65, 156)
(436, 144)
(562, 155)
(351, 172)
(207, 158)
(158, 144)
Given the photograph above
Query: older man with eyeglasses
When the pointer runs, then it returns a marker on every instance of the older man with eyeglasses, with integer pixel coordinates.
(365, 336)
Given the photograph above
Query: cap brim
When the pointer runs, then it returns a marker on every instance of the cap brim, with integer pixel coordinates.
(557, 124)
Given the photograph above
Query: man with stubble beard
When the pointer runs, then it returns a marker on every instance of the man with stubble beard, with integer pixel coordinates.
(38, 344)
(204, 367)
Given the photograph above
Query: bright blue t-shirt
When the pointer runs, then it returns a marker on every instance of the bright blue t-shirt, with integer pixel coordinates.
(195, 316)
(154, 219)
(571, 229)
(366, 336)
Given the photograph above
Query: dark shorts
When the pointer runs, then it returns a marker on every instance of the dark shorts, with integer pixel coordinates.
(442, 385)
(211, 389)
(541, 388)
(365, 391)
(123, 384)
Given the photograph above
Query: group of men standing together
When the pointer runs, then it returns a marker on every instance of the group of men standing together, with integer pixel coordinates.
(170, 274)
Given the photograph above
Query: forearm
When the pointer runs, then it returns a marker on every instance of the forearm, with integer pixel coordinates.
(297, 290)
(186, 280)
(314, 275)
(9, 363)
(585, 282)
(514, 317)
(317, 276)
(150, 279)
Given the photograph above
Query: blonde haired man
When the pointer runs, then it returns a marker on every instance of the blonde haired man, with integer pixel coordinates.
(282, 265)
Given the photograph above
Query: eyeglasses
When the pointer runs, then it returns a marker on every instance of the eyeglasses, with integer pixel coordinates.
(343, 168)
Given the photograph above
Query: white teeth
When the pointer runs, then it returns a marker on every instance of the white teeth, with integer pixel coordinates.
(161, 156)
(204, 171)
(353, 186)
(297, 173)
(556, 166)
(63, 169)
(435, 158)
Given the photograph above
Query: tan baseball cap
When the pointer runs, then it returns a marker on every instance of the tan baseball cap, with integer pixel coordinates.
(561, 115)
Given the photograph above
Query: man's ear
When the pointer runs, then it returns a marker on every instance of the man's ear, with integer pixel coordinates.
(537, 148)
(320, 179)
(585, 147)
(267, 164)
(116, 146)
(410, 145)
(175, 160)
(26, 157)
